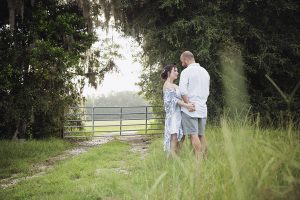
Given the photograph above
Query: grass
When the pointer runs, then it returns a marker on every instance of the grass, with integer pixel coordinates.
(92, 175)
(244, 162)
(17, 157)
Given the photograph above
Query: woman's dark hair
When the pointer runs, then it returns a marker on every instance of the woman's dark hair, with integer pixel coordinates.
(166, 70)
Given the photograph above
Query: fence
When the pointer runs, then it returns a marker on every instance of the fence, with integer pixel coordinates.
(90, 122)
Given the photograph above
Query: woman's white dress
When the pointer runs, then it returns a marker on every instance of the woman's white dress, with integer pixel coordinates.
(173, 116)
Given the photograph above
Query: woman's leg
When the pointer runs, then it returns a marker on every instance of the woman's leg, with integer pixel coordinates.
(174, 144)
(180, 144)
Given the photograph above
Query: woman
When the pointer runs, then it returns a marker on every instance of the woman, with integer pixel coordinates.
(172, 102)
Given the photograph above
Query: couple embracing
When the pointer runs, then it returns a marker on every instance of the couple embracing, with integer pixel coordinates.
(185, 105)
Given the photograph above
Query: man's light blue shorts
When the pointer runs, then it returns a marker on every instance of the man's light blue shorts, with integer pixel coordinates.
(192, 125)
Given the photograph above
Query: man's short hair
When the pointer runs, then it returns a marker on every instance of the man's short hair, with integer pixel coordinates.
(188, 54)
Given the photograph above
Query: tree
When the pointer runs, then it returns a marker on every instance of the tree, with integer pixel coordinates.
(265, 32)
(46, 55)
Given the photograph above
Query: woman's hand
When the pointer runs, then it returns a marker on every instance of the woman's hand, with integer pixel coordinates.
(191, 107)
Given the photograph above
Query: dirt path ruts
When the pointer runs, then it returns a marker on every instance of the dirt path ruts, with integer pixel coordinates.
(139, 144)
(43, 167)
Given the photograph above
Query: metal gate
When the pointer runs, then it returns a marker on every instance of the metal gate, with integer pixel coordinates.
(90, 122)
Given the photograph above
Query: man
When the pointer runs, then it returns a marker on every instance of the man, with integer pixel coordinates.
(194, 88)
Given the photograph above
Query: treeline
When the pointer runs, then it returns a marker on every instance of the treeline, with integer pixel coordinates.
(110, 106)
(124, 98)
(264, 33)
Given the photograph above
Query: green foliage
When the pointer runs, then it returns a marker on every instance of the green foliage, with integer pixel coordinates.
(265, 32)
(234, 81)
(45, 60)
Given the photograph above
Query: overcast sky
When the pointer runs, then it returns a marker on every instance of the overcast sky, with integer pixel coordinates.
(129, 71)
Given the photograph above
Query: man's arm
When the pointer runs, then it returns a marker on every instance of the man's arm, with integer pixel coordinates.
(183, 87)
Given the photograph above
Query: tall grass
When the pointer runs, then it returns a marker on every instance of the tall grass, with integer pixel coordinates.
(244, 162)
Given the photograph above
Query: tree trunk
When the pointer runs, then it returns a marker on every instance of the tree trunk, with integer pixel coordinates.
(12, 12)
(15, 137)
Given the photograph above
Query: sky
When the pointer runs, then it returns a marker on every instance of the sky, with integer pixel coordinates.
(128, 70)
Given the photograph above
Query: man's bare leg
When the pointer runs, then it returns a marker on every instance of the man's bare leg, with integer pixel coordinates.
(196, 145)
(204, 146)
